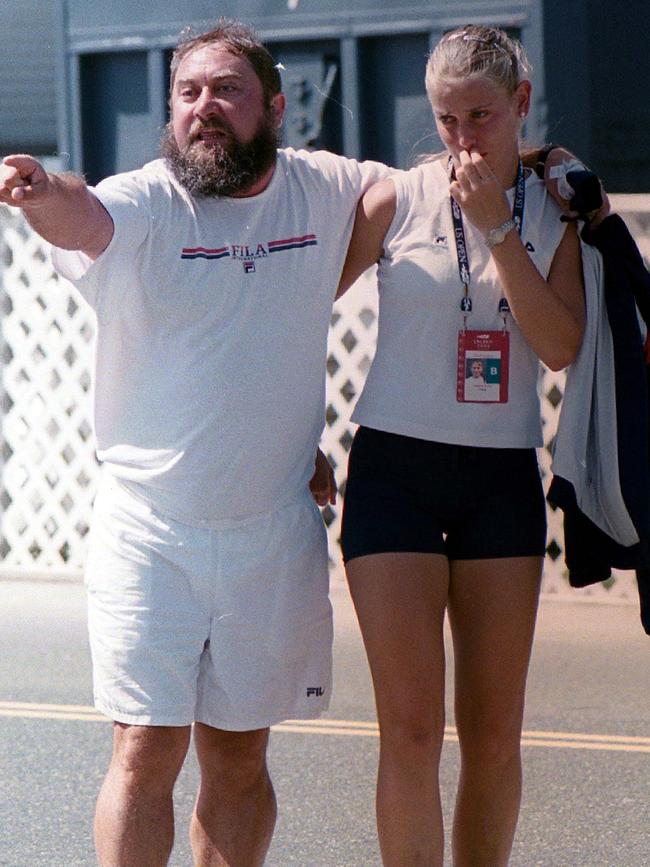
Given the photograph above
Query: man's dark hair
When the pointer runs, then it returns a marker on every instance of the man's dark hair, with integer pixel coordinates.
(239, 40)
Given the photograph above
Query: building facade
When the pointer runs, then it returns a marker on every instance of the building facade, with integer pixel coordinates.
(94, 76)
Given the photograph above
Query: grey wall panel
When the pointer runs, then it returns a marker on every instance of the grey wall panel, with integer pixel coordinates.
(619, 85)
(85, 16)
(27, 81)
(567, 72)
(396, 120)
(311, 82)
(597, 68)
(118, 124)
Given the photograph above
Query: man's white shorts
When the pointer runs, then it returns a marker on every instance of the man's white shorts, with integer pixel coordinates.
(229, 626)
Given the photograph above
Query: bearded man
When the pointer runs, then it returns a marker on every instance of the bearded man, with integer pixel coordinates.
(212, 273)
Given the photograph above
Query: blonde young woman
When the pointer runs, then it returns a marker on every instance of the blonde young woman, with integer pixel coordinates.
(444, 510)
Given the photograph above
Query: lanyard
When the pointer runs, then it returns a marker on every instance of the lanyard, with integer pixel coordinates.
(461, 245)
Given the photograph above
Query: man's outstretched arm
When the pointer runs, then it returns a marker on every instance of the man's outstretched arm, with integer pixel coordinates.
(60, 207)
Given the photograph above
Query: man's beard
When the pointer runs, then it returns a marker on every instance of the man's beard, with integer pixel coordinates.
(227, 168)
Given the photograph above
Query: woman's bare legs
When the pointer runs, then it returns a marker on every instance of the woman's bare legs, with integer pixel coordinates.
(400, 601)
(492, 611)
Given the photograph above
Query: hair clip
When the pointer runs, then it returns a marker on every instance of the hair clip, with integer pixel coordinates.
(491, 45)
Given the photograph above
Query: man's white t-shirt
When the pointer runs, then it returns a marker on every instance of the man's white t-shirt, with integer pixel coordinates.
(212, 319)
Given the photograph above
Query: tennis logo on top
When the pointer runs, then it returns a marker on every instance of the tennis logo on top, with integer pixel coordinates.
(249, 253)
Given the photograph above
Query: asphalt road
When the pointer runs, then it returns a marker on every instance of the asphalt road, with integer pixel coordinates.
(586, 747)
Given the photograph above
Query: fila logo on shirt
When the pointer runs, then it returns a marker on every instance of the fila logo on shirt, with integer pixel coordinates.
(247, 254)
(315, 690)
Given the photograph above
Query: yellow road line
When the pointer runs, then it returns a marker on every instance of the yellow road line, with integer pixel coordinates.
(30, 705)
(339, 723)
(552, 740)
(531, 737)
(30, 710)
(350, 728)
(619, 739)
(299, 728)
(34, 714)
(612, 746)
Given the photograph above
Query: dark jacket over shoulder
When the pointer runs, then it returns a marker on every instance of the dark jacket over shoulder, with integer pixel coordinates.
(590, 553)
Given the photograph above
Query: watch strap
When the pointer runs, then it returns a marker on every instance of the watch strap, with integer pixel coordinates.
(498, 234)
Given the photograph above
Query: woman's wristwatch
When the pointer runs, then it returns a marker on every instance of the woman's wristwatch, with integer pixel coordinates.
(498, 235)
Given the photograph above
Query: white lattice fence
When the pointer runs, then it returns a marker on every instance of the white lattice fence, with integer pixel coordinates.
(48, 463)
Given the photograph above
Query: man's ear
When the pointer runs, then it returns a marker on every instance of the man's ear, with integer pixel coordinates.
(278, 105)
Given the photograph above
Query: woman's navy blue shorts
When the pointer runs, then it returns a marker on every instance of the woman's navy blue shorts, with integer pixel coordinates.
(468, 503)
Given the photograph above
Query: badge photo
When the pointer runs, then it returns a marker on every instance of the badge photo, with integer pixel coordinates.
(482, 367)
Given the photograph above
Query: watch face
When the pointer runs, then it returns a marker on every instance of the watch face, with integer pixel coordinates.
(498, 234)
